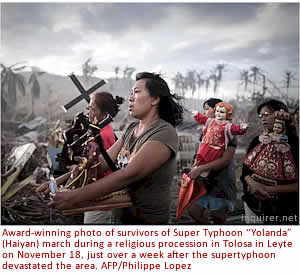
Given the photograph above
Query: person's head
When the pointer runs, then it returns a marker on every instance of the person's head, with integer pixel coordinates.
(266, 112)
(151, 93)
(223, 111)
(103, 103)
(209, 107)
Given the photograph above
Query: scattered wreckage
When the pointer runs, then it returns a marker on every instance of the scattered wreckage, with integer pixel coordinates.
(25, 166)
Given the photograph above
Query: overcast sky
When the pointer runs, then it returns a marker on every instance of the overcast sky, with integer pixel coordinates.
(153, 37)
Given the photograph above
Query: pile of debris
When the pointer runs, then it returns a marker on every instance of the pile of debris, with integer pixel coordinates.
(24, 167)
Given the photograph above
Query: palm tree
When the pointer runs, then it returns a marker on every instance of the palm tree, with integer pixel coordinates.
(35, 86)
(180, 83)
(219, 71)
(200, 82)
(264, 87)
(207, 82)
(177, 81)
(215, 80)
(128, 71)
(289, 77)
(11, 83)
(117, 70)
(254, 72)
(245, 78)
(191, 81)
(88, 70)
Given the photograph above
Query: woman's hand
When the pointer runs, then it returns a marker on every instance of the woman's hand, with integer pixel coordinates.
(260, 191)
(196, 171)
(62, 200)
(264, 139)
(43, 190)
(194, 164)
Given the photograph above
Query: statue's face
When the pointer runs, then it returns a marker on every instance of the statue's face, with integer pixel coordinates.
(278, 128)
(220, 113)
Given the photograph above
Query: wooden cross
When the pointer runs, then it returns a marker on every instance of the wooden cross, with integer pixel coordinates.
(84, 93)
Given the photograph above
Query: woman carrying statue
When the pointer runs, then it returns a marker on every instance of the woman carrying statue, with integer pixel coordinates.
(221, 191)
(270, 169)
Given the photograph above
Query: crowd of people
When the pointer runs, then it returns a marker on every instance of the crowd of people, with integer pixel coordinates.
(145, 157)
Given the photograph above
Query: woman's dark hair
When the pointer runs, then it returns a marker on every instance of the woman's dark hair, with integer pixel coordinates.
(169, 110)
(273, 105)
(106, 102)
(212, 102)
(296, 110)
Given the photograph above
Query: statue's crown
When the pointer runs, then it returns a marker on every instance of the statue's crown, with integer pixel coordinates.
(282, 115)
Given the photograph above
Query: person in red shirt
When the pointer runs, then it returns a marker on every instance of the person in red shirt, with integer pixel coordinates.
(101, 104)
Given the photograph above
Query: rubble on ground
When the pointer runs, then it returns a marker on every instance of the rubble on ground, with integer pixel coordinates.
(24, 167)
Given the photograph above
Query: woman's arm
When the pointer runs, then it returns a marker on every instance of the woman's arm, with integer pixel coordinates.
(43, 189)
(259, 190)
(266, 192)
(113, 154)
(273, 190)
(215, 165)
(245, 170)
(151, 156)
